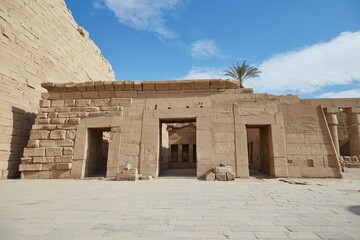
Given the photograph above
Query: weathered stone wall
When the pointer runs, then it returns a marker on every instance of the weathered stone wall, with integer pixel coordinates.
(310, 150)
(165, 148)
(343, 118)
(295, 138)
(39, 41)
(67, 106)
(184, 134)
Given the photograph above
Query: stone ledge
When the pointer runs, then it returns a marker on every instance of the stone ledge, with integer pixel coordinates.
(141, 86)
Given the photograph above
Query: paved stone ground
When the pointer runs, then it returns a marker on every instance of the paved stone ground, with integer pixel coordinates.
(180, 209)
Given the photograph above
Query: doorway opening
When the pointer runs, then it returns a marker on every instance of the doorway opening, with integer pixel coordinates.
(97, 152)
(178, 148)
(259, 146)
(343, 132)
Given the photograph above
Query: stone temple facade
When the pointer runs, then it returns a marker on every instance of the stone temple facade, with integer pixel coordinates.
(99, 128)
(117, 128)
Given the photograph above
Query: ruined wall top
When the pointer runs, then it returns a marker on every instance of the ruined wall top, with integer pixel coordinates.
(204, 84)
(333, 102)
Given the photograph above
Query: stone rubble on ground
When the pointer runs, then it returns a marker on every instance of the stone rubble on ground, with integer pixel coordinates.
(221, 173)
(128, 173)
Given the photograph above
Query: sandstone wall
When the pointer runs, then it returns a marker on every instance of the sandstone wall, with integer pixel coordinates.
(295, 140)
(186, 134)
(345, 122)
(132, 111)
(39, 41)
(165, 148)
(310, 150)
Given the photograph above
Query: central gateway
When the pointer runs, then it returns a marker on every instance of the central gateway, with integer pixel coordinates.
(178, 147)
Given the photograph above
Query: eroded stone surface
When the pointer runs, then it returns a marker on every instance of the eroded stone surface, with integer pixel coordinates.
(299, 137)
(200, 124)
(40, 42)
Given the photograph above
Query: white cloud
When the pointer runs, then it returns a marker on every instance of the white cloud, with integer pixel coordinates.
(205, 49)
(98, 5)
(307, 70)
(353, 93)
(204, 73)
(143, 14)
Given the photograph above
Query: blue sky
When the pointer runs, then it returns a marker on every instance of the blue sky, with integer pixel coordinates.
(305, 47)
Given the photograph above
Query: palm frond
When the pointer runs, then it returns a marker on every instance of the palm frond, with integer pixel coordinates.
(241, 73)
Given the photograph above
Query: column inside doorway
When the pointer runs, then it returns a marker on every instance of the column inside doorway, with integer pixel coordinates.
(178, 147)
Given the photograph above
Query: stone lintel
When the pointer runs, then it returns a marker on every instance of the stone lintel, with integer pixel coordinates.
(332, 110)
(202, 84)
(354, 110)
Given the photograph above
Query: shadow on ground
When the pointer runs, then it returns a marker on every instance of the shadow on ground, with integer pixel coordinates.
(354, 209)
(178, 173)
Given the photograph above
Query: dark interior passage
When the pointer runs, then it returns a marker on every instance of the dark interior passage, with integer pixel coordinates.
(259, 145)
(98, 145)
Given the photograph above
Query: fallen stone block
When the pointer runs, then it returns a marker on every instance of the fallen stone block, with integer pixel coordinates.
(127, 177)
(128, 174)
(230, 176)
(210, 176)
(347, 159)
(221, 176)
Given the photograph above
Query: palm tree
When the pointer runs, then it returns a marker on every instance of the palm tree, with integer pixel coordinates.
(242, 72)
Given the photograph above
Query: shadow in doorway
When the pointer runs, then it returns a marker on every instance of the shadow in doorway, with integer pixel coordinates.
(22, 124)
(97, 155)
(257, 174)
(260, 154)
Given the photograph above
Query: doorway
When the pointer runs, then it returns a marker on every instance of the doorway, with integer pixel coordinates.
(178, 148)
(97, 152)
(343, 132)
(260, 154)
